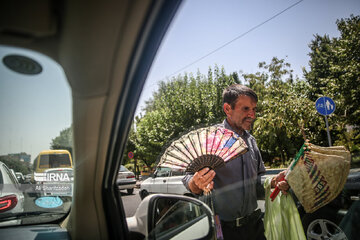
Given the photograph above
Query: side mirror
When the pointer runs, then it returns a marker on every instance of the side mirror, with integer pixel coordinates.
(161, 216)
(152, 175)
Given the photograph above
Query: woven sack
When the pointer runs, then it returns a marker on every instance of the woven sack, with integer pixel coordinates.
(319, 176)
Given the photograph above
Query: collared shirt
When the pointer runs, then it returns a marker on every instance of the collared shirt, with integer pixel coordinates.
(235, 184)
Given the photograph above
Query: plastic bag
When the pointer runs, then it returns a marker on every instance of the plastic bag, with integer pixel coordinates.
(282, 219)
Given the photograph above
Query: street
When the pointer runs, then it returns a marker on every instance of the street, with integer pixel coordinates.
(130, 201)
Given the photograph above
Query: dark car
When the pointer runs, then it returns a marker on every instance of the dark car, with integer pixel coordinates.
(325, 222)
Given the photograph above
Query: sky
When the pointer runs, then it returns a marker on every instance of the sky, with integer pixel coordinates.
(34, 108)
(202, 26)
(31, 117)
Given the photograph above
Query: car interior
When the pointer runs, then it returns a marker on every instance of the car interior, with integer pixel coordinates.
(105, 49)
(101, 53)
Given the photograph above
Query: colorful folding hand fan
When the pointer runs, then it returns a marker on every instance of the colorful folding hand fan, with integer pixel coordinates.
(206, 147)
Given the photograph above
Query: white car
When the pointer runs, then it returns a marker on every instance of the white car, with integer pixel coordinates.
(126, 180)
(11, 197)
(164, 180)
(271, 172)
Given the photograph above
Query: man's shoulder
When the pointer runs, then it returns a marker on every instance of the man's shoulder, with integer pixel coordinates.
(250, 137)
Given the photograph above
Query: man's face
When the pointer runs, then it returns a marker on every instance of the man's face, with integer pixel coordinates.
(243, 115)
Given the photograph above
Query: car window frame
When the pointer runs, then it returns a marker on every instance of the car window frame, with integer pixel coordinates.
(155, 26)
(11, 176)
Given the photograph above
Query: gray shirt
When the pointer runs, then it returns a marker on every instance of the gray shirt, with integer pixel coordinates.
(235, 183)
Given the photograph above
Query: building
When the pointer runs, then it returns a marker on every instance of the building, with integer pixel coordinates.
(23, 157)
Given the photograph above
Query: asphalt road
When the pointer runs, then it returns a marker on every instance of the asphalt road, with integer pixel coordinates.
(130, 201)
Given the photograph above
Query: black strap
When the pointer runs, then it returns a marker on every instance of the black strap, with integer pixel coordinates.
(251, 218)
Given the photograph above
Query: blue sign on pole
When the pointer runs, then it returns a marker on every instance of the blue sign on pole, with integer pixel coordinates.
(325, 105)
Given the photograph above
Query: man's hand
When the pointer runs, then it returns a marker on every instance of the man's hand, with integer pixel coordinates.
(280, 182)
(202, 181)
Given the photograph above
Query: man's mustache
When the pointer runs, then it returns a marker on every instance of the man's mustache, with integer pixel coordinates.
(249, 118)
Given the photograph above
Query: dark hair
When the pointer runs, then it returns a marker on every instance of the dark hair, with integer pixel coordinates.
(232, 92)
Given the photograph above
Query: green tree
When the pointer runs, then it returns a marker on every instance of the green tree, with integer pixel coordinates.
(285, 114)
(184, 103)
(16, 164)
(335, 72)
(64, 140)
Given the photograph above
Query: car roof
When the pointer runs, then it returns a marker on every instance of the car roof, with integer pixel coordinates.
(56, 151)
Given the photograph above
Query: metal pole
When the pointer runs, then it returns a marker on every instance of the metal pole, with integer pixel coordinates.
(327, 129)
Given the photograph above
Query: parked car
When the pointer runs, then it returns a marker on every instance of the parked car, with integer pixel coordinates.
(126, 180)
(164, 180)
(13, 172)
(11, 196)
(325, 222)
(271, 172)
(167, 180)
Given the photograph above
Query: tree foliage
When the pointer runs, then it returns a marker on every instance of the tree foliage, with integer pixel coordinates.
(285, 115)
(16, 164)
(64, 140)
(178, 106)
(335, 72)
(286, 107)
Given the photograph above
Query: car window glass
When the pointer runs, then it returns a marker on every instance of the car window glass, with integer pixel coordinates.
(1, 178)
(35, 104)
(123, 169)
(11, 176)
(54, 161)
(171, 214)
(163, 172)
(177, 173)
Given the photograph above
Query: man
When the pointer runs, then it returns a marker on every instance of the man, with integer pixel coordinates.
(234, 185)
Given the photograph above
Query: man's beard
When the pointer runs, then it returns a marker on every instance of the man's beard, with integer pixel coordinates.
(244, 123)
